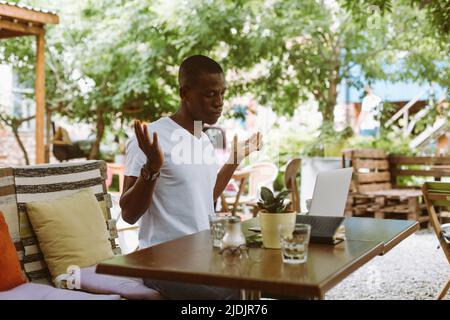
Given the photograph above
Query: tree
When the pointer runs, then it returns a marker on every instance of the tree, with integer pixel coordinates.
(437, 12)
(110, 60)
(315, 55)
(285, 51)
(14, 123)
(102, 71)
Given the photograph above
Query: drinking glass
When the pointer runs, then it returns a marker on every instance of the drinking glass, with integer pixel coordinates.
(294, 242)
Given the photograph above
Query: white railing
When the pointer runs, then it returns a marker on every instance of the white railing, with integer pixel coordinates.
(423, 137)
(430, 131)
(419, 115)
(404, 111)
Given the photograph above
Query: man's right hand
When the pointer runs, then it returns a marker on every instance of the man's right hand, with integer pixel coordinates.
(155, 156)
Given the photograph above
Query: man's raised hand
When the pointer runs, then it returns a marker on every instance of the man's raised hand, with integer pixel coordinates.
(240, 150)
(151, 148)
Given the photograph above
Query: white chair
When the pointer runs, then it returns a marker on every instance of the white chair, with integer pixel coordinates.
(262, 174)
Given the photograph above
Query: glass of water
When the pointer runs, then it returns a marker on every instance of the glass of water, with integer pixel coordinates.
(294, 242)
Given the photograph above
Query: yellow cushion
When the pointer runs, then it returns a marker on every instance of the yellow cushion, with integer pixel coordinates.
(71, 231)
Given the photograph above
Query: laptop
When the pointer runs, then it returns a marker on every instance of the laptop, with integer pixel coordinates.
(330, 193)
(326, 213)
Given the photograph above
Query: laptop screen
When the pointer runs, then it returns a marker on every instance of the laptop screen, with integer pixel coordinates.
(330, 192)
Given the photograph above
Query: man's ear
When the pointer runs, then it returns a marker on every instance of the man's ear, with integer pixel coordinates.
(183, 91)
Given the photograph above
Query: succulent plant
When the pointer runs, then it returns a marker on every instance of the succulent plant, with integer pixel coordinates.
(273, 204)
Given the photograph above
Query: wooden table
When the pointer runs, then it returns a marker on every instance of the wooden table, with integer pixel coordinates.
(192, 259)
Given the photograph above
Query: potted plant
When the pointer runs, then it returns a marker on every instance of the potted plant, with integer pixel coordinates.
(275, 211)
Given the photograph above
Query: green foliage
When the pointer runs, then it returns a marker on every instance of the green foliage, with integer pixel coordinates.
(273, 204)
(390, 141)
(115, 59)
(254, 239)
(438, 12)
(329, 143)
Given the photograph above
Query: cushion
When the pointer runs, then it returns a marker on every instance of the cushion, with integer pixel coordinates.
(34, 291)
(11, 273)
(50, 182)
(71, 230)
(129, 288)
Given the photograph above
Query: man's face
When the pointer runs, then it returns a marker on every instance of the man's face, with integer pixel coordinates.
(204, 100)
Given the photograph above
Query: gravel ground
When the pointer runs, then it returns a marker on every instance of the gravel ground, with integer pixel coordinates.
(414, 270)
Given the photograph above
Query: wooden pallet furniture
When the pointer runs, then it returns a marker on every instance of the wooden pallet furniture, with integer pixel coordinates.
(378, 187)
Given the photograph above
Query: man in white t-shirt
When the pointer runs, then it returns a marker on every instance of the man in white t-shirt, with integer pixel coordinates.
(368, 124)
(173, 179)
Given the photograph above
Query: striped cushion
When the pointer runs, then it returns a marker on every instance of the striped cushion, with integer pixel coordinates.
(49, 182)
(8, 205)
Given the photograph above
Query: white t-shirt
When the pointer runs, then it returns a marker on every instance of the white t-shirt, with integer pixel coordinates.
(183, 196)
(370, 105)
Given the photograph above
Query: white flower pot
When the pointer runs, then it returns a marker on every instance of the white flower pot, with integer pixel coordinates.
(270, 223)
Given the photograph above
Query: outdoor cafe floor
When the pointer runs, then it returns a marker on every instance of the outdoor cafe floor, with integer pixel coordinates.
(414, 270)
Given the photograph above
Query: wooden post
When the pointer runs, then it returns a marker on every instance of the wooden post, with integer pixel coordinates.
(40, 97)
(48, 136)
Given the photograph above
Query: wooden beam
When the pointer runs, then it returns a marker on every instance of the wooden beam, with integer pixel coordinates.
(371, 164)
(25, 29)
(363, 188)
(5, 34)
(27, 14)
(412, 160)
(40, 98)
(373, 177)
(437, 173)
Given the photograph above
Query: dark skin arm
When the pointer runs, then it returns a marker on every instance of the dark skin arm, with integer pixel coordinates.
(132, 203)
(137, 192)
(223, 178)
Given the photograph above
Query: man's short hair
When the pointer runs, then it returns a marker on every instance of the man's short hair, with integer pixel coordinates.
(368, 89)
(193, 66)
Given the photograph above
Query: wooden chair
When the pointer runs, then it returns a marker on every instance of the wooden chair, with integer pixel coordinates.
(290, 181)
(437, 194)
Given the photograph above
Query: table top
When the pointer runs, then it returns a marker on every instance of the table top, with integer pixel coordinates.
(388, 231)
(192, 259)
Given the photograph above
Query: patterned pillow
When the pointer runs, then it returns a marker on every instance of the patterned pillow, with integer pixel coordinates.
(49, 182)
(8, 205)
